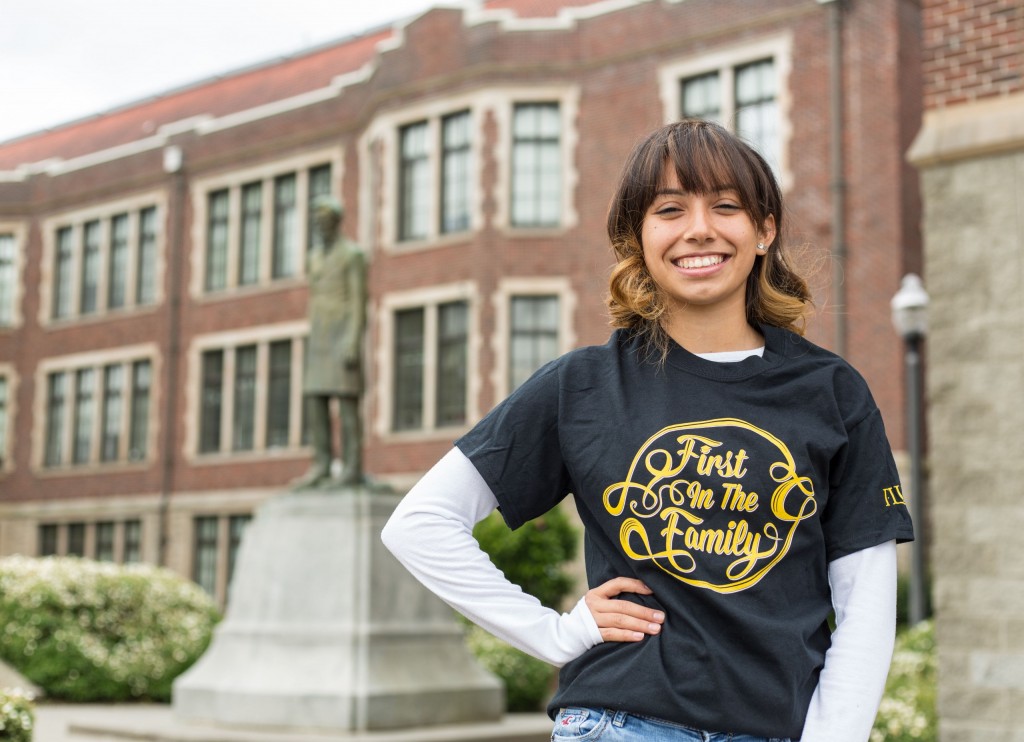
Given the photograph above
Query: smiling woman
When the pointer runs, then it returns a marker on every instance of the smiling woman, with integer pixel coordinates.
(731, 476)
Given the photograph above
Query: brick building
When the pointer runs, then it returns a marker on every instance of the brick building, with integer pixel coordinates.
(152, 301)
(970, 153)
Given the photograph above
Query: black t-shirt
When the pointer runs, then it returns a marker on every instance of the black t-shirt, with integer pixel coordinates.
(725, 487)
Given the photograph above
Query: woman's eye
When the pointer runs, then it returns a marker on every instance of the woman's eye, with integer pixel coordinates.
(728, 207)
(664, 210)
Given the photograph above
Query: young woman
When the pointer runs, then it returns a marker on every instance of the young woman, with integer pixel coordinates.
(734, 481)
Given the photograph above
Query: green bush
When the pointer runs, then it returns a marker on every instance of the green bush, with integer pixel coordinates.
(17, 716)
(533, 557)
(907, 712)
(90, 631)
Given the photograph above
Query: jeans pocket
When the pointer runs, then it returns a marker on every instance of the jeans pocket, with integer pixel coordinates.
(579, 725)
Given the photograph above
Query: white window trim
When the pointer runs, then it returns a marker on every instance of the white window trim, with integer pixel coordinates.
(724, 60)
(429, 299)
(96, 360)
(501, 300)
(382, 138)
(19, 230)
(568, 99)
(103, 213)
(261, 337)
(9, 372)
(233, 181)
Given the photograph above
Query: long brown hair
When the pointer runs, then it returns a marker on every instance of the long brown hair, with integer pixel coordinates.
(706, 158)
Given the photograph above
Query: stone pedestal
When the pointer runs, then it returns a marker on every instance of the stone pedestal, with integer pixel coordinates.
(326, 630)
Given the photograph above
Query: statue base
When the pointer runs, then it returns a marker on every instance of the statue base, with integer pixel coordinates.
(326, 630)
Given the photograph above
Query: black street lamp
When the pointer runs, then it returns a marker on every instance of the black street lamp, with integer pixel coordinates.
(910, 318)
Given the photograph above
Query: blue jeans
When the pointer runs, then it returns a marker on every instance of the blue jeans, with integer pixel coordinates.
(590, 725)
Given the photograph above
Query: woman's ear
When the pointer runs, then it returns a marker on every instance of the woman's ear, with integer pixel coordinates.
(767, 234)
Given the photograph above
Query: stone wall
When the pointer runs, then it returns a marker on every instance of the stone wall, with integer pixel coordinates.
(971, 159)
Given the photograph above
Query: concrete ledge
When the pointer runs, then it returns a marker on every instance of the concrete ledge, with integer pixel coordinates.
(157, 723)
(976, 129)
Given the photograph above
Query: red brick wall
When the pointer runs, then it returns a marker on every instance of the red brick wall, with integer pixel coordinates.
(973, 49)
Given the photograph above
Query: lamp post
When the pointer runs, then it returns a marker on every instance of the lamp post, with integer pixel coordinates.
(910, 318)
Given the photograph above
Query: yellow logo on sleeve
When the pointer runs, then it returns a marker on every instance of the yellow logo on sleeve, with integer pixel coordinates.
(687, 507)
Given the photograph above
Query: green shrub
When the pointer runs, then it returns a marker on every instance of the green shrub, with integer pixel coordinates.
(533, 557)
(17, 716)
(90, 631)
(907, 712)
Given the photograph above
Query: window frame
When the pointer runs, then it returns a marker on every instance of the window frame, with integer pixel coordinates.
(62, 303)
(430, 300)
(45, 437)
(8, 417)
(13, 293)
(725, 61)
(228, 344)
(560, 286)
(271, 273)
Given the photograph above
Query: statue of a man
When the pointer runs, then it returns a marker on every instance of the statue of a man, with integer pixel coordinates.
(334, 351)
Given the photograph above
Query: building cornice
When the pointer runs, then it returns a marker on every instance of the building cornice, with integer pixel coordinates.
(975, 129)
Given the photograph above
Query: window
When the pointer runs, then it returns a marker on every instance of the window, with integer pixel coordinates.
(533, 335)
(138, 432)
(88, 295)
(408, 396)
(247, 392)
(8, 279)
(452, 362)
(109, 423)
(252, 219)
(533, 325)
(76, 539)
(145, 275)
(212, 399)
(95, 268)
(430, 174)
(204, 553)
(81, 451)
(414, 182)
(258, 224)
(285, 225)
(279, 394)
(319, 185)
(536, 165)
(48, 539)
(430, 374)
(217, 242)
(113, 391)
(742, 88)
(456, 175)
(105, 541)
(132, 542)
(117, 280)
(56, 394)
(4, 419)
(63, 273)
(244, 435)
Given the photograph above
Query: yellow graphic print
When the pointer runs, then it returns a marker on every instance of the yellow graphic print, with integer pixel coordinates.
(893, 496)
(684, 475)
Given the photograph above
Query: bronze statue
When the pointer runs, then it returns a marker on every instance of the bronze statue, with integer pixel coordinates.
(334, 351)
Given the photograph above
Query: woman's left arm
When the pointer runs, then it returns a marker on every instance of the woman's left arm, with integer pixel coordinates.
(852, 681)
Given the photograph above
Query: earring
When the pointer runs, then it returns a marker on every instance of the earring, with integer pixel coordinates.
(761, 248)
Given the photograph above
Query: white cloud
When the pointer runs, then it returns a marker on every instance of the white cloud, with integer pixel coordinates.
(65, 59)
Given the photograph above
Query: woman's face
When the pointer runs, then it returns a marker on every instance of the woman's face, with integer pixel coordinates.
(700, 248)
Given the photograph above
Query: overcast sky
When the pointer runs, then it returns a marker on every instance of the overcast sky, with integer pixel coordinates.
(64, 59)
